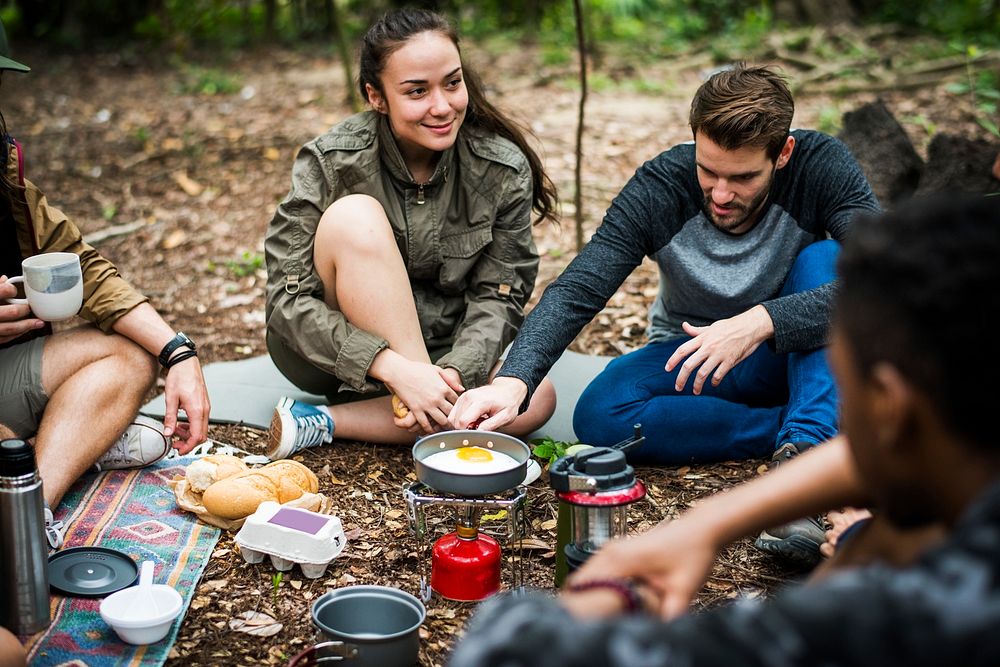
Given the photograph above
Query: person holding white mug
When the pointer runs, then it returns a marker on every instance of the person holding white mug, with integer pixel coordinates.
(53, 386)
(53, 285)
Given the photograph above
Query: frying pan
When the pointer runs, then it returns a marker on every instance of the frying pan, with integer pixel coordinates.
(470, 484)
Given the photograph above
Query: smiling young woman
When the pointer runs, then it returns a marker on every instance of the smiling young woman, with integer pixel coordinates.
(401, 260)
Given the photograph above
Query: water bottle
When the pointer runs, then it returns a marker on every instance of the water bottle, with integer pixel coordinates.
(23, 549)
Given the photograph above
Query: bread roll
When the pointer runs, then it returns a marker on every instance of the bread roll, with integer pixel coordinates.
(398, 408)
(238, 496)
(302, 476)
(208, 470)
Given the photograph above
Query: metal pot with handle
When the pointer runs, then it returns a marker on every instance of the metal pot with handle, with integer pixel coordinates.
(365, 626)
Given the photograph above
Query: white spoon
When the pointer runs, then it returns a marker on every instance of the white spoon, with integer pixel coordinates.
(144, 604)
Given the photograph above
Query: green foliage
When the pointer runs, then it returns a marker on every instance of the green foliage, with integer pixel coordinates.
(250, 263)
(981, 89)
(207, 81)
(969, 19)
(829, 120)
(275, 584)
(920, 120)
(548, 450)
(640, 29)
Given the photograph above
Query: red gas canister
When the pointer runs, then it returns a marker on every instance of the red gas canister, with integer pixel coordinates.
(465, 565)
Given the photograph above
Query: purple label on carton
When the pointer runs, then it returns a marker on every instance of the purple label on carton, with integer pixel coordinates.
(299, 520)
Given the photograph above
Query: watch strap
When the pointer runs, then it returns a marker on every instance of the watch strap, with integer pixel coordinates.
(179, 340)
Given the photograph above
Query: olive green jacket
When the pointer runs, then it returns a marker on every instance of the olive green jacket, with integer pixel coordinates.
(465, 237)
(40, 228)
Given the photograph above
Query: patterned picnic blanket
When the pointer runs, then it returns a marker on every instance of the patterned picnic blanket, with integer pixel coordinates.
(133, 511)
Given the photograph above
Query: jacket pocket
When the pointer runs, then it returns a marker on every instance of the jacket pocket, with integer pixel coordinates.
(466, 244)
(459, 253)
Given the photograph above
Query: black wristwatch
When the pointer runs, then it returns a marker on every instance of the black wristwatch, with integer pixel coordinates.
(179, 340)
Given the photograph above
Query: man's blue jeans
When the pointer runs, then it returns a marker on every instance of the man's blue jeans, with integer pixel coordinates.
(766, 400)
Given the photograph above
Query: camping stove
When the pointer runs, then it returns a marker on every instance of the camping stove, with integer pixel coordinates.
(466, 564)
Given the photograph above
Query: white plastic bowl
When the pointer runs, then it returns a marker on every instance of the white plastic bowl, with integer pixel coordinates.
(116, 612)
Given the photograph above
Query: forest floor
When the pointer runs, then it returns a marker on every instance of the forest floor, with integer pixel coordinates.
(177, 170)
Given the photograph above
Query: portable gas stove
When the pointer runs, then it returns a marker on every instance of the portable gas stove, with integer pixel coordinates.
(466, 564)
(508, 533)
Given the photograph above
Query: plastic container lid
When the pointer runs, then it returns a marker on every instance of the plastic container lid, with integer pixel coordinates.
(91, 572)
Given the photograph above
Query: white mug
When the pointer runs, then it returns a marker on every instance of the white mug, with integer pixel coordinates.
(53, 283)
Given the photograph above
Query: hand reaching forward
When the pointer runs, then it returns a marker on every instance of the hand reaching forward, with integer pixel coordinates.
(185, 389)
(500, 401)
(716, 349)
(673, 559)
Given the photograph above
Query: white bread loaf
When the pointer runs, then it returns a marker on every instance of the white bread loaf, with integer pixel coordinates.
(302, 476)
(238, 496)
(208, 470)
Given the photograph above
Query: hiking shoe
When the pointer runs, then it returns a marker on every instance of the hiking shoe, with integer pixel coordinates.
(141, 444)
(797, 541)
(54, 530)
(295, 426)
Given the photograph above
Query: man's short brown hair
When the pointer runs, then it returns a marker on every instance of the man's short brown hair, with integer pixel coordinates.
(744, 106)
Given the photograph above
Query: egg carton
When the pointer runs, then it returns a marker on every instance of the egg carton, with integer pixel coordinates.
(291, 535)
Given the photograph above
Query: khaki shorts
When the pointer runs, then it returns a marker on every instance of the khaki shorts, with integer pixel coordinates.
(22, 399)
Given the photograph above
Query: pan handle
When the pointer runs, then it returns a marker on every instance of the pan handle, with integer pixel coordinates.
(635, 442)
(310, 657)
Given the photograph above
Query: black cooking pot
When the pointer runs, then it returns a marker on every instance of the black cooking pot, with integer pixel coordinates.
(369, 626)
(470, 484)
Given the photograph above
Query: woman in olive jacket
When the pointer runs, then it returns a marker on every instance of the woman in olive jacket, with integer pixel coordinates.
(402, 258)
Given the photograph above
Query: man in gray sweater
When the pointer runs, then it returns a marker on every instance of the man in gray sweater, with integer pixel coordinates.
(745, 225)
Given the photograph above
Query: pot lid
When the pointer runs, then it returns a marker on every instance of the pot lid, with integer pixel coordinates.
(91, 571)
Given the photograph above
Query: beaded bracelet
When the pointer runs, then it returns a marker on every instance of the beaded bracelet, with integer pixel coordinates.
(179, 357)
(624, 588)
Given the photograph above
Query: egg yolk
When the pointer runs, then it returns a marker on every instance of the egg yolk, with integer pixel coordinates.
(473, 454)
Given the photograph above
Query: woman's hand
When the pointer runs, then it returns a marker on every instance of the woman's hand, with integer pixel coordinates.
(428, 391)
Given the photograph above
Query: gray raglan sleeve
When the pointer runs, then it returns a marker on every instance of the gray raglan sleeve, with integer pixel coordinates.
(627, 234)
(833, 190)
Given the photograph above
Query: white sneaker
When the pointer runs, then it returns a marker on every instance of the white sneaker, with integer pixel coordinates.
(54, 530)
(296, 425)
(141, 444)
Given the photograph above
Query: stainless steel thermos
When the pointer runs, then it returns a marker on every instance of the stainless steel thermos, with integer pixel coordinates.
(24, 606)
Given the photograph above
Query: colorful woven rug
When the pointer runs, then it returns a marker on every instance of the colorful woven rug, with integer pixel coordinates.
(132, 511)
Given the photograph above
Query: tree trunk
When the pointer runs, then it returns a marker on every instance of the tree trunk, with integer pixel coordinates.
(346, 57)
(581, 47)
(270, 16)
(815, 12)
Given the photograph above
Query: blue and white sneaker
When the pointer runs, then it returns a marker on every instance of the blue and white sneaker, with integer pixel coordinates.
(295, 426)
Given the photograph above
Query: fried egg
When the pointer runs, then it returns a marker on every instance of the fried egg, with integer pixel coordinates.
(471, 461)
